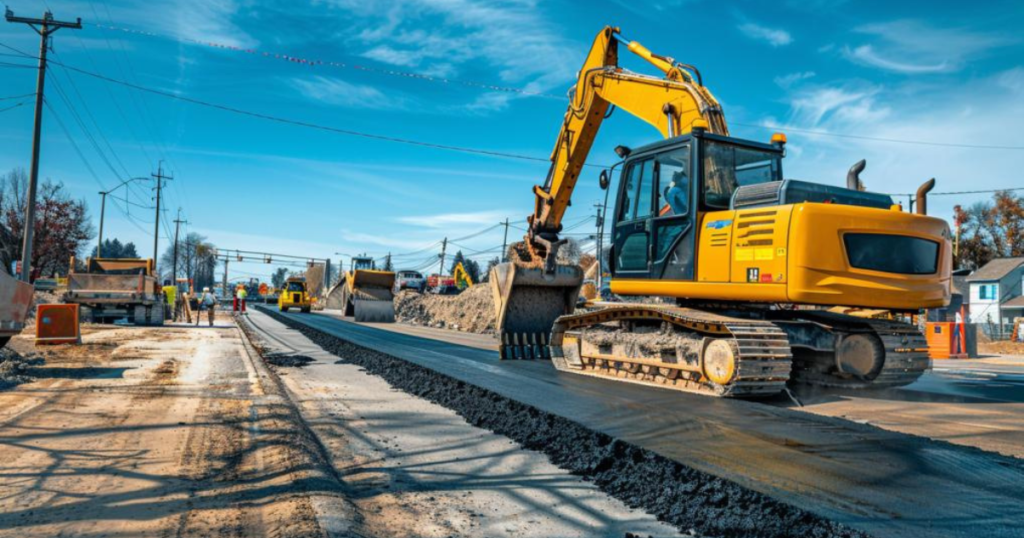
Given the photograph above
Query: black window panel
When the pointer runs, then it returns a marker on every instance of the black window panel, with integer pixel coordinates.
(899, 254)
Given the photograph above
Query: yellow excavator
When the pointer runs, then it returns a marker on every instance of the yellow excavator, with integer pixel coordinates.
(727, 268)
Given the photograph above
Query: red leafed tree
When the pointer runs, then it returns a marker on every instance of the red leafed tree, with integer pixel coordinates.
(62, 224)
(990, 230)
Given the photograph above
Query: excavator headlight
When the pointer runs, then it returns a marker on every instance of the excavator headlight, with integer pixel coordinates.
(622, 151)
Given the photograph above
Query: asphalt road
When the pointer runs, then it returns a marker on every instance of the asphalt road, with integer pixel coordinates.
(884, 482)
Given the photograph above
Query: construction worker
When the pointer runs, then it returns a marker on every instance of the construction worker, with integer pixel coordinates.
(207, 302)
(171, 293)
(240, 296)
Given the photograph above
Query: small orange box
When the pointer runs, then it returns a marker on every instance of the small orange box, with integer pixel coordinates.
(57, 324)
(942, 339)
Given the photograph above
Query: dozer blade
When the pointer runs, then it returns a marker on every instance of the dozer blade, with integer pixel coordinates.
(374, 311)
(527, 302)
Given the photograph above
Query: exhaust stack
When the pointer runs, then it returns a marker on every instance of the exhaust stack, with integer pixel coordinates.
(853, 176)
(922, 196)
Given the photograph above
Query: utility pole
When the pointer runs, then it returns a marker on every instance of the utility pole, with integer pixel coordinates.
(327, 276)
(600, 245)
(444, 246)
(225, 292)
(504, 243)
(44, 27)
(160, 177)
(103, 209)
(177, 226)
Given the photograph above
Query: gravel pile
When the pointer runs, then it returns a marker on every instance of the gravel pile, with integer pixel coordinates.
(471, 311)
(15, 367)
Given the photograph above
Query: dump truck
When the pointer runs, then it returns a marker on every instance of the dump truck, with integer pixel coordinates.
(732, 266)
(364, 293)
(294, 294)
(15, 302)
(111, 289)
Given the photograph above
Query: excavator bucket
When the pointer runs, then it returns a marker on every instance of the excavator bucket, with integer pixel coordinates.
(527, 302)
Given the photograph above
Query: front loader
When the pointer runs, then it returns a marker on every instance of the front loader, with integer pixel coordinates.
(364, 293)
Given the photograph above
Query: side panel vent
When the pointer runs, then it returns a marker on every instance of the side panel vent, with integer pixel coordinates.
(760, 195)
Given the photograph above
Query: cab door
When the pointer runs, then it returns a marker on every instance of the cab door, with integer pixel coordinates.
(632, 234)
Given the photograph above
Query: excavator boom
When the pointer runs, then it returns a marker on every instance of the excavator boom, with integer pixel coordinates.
(672, 104)
(533, 290)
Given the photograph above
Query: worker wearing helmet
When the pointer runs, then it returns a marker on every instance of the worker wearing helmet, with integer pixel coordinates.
(241, 294)
(207, 302)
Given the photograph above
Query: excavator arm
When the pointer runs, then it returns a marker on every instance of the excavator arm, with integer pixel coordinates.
(673, 104)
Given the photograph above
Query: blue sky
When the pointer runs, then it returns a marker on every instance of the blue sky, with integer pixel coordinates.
(919, 71)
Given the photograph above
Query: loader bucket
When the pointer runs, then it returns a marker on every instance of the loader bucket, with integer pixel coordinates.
(378, 284)
(527, 301)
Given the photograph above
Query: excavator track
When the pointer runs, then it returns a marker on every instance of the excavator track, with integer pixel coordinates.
(684, 349)
(904, 360)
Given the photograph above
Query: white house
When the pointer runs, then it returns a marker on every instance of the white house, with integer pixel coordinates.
(997, 292)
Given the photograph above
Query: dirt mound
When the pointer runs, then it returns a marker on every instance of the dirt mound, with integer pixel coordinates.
(471, 310)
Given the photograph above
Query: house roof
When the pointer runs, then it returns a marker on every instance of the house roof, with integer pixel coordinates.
(1016, 302)
(996, 269)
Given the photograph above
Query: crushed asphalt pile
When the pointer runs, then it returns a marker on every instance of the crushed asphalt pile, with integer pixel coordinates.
(471, 311)
(15, 367)
(692, 500)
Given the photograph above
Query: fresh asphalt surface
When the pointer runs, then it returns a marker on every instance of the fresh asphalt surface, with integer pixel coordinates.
(883, 482)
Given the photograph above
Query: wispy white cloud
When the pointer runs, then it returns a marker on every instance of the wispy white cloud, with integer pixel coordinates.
(787, 81)
(775, 37)
(445, 220)
(912, 111)
(512, 41)
(334, 91)
(866, 55)
(915, 47)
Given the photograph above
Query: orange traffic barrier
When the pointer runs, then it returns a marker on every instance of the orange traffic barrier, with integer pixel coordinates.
(57, 324)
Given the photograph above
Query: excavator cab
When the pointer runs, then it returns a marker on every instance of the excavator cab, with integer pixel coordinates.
(664, 190)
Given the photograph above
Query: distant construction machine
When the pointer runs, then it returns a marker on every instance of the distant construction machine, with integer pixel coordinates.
(117, 288)
(747, 260)
(294, 294)
(364, 293)
(15, 301)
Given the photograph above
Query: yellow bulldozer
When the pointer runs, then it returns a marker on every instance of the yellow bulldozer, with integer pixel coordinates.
(364, 293)
(727, 268)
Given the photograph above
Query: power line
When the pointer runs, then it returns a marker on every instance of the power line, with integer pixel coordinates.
(343, 65)
(15, 105)
(301, 123)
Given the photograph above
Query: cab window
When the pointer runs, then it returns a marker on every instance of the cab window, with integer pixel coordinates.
(674, 182)
(728, 167)
(296, 286)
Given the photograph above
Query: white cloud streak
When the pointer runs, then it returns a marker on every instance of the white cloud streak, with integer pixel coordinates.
(444, 220)
(915, 47)
(775, 37)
